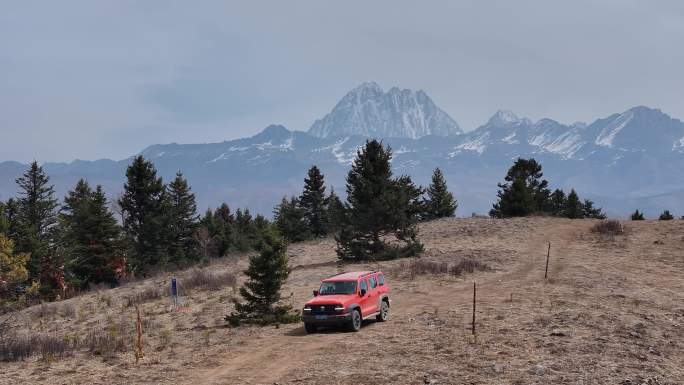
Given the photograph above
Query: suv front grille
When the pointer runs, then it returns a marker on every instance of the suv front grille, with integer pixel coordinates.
(323, 309)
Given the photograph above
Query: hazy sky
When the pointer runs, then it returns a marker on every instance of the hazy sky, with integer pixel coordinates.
(95, 79)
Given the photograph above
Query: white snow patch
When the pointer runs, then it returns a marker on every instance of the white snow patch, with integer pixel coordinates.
(509, 139)
(609, 132)
(478, 145)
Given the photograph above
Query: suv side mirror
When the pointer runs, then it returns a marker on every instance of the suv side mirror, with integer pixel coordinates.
(363, 292)
(315, 293)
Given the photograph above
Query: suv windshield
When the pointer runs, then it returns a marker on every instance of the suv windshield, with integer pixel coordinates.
(337, 287)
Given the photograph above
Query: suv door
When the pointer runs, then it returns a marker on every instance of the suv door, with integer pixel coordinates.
(366, 299)
(373, 294)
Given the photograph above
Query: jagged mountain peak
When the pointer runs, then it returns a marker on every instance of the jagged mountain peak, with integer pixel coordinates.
(506, 118)
(369, 111)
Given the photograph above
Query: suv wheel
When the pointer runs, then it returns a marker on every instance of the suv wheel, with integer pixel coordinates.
(355, 324)
(384, 312)
(310, 328)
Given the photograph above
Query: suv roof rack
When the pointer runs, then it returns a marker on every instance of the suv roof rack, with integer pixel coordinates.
(335, 275)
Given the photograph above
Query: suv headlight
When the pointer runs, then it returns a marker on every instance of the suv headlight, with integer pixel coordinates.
(339, 308)
(306, 308)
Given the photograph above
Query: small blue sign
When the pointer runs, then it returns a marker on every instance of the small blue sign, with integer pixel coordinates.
(174, 288)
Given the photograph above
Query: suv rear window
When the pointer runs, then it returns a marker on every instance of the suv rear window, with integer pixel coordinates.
(381, 279)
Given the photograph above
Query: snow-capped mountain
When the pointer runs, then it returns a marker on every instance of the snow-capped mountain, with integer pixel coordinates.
(369, 111)
(624, 161)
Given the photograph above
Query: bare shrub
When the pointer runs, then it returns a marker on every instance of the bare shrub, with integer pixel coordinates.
(203, 279)
(49, 347)
(468, 266)
(68, 310)
(423, 267)
(608, 227)
(45, 310)
(114, 338)
(145, 295)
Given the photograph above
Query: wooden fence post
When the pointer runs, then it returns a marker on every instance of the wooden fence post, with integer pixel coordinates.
(474, 301)
(548, 253)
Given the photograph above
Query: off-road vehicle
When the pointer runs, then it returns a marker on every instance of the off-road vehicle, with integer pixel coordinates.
(346, 299)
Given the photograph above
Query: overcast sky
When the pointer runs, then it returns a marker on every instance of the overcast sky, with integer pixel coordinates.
(96, 79)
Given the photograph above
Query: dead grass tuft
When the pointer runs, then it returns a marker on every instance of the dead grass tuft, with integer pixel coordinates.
(609, 227)
(423, 267)
(206, 280)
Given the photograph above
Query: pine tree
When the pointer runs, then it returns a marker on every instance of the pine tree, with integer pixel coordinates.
(145, 221)
(377, 205)
(335, 213)
(266, 274)
(589, 211)
(183, 222)
(574, 208)
(440, 202)
(90, 236)
(290, 219)
(637, 215)
(523, 192)
(10, 215)
(312, 201)
(558, 203)
(666, 216)
(36, 217)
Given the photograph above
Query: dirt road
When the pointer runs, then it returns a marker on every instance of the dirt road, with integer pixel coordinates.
(271, 358)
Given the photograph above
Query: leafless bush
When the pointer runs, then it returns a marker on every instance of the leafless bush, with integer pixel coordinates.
(50, 347)
(201, 278)
(46, 310)
(114, 338)
(145, 295)
(608, 227)
(68, 310)
(422, 267)
(468, 266)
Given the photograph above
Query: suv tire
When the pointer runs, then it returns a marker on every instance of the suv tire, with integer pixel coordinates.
(310, 328)
(355, 323)
(384, 312)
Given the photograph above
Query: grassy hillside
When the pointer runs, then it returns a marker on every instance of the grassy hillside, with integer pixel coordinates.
(612, 311)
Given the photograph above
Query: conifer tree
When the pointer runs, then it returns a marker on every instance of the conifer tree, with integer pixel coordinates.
(11, 215)
(440, 202)
(666, 216)
(290, 219)
(523, 192)
(36, 216)
(558, 203)
(574, 208)
(90, 237)
(145, 222)
(266, 274)
(183, 222)
(312, 201)
(335, 213)
(221, 227)
(589, 211)
(637, 215)
(378, 205)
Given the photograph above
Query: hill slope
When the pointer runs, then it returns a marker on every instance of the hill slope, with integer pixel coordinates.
(611, 312)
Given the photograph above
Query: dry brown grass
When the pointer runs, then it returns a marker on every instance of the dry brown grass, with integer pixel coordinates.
(609, 313)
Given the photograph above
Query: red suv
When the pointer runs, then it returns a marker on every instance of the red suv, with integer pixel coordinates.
(346, 299)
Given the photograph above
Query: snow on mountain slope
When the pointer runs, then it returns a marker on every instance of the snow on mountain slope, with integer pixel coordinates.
(369, 111)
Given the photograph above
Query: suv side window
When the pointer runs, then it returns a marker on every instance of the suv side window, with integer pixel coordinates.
(381, 279)
(373, 282)
(364, 285)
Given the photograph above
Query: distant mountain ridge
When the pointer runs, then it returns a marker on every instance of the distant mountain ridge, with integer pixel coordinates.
(624, 161)
(369, 111)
